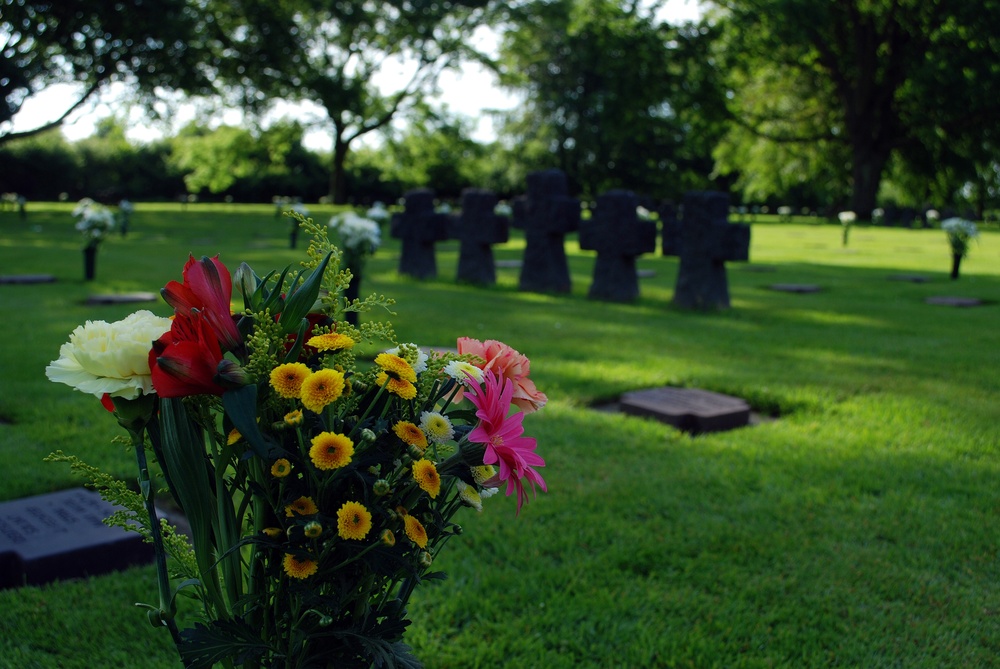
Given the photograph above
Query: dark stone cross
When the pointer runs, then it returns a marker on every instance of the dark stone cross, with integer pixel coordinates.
(419, 226)
(619, 237)
(478, 228)
(705, 239)
(547, 215)
(61, 535)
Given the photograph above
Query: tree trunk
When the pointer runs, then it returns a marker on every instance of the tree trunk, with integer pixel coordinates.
(867, 165)
(338, 185)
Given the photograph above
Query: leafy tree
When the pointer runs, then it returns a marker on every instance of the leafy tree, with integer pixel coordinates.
(334, 53)
(612, 96)
(153, 43)
(865, 78)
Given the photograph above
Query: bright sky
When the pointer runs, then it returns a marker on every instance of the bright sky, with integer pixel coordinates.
(468, 91)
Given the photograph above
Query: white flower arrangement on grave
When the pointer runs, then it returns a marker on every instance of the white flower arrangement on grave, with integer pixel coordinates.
(847, 219)
(319, 488)
(644, 214)
(502, 208)
(359, 237)
(95, 221)
(378, 213)
(878, 216)
(960, 232)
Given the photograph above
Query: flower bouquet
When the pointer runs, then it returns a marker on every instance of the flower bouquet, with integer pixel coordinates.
(95, 222)
(319, 484)
(960, 232)
(847, 219)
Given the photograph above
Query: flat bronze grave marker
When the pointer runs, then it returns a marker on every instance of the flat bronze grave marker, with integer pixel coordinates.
(61, 535)
(122, 298)
(911, 278)
(795, 287)
(688, 409)
(21, 279)
(954, 301)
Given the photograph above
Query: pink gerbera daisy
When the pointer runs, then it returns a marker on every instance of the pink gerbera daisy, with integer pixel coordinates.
(502, 434)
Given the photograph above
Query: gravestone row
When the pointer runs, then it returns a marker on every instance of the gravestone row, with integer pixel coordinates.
(703, 239)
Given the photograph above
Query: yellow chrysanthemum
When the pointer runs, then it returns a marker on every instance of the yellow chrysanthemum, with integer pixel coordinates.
(287, 379)
(293, 418)
(388, 538)
(353, 521)
(321, 388)
(281, 468)
(483, 473)
(396, 367)
(303, 506)
(427, 477)
(331, 450)
(272, 532)
(436, 426)
(299, 567)
(400, 387)
(234, 436)
(415, 530)
(312, 529)
(410, 434)
(469, 495)
(333, 341)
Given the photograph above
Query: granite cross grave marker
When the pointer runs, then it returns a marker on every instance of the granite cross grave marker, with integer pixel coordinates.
(619, 236)
(705, 239)
(420, 227)
(548, 214)
(479, 227)
(61, 535)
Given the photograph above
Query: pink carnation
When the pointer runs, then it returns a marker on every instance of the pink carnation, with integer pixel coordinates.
(507, 363)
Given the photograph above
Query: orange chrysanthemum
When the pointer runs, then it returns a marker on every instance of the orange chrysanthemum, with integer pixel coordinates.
(287, 379)
(396, 367)
(415, 531)
(410, 434)
(233, 437)
(427, 477)
(281, 468)
(400, 387)
(334, 341)
(303, 506)
(353, 521)
(331, 450)
(321, 388)
(299, 567)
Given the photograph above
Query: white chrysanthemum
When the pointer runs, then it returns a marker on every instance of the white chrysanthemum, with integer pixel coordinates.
(436, 427)
(847, 217)
(461, 371)
(469, 495)
(112, 358)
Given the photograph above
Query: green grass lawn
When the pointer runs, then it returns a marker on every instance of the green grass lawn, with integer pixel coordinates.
(855, 526)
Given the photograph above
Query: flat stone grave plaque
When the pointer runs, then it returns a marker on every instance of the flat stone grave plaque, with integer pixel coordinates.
(795, 287)
(27, 278)
(954, 301)
(911, 278)
(61, 535)
(122, 298)
(688, 409)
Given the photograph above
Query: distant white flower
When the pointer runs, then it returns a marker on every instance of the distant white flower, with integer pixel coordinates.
(378, 213)
(357, 235)
(847, 217)
(784, 211)
(960, 232)
(503, 209)
(96, 221)
(932, 215)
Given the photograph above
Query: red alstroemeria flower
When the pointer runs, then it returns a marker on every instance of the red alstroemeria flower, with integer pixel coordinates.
(502, 434)
(207, 289)
(185, 360)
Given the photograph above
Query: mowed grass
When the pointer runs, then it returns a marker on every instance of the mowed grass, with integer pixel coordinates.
(855, 526)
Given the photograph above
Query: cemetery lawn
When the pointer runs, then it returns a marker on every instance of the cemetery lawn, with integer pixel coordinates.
(857, 525)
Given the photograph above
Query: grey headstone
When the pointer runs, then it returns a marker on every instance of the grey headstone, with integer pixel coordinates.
(795, 287)
(419, 227)
(954, 301)
(60, 536)
(122, 298)
(478, 229)
(27, 278)
(688, 409)
(547, 215)
(705, 240)
(619, 236)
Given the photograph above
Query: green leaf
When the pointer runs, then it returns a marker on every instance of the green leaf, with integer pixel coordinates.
(301, 299)
(241, 408)
(203, 646)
